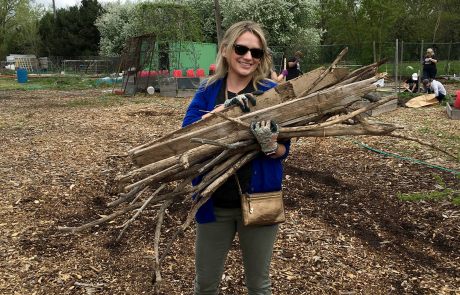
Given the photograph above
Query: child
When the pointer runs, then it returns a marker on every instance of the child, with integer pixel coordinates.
(411, 84)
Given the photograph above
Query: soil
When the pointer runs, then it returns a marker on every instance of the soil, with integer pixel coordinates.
(347, 230)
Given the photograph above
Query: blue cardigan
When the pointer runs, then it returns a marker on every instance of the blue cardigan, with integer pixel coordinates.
(267, 173)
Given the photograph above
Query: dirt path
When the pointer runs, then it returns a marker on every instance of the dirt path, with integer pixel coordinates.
(347, 231)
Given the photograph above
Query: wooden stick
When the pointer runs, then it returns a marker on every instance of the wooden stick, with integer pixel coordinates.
(280, 113)
(138, 212)
(423, 143)
(75, 229)
(282, 93)
(234, 120)
(155, 177)
(156, 247)
(341, 130)
(205, 195)
(125, 197)
(340, 119)
(139, 195)
(327, 71)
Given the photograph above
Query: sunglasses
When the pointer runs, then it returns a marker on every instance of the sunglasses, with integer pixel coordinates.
(242, 50)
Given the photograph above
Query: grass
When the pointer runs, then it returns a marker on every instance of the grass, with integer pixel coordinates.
(71, 83)
(404, 97)
(442, 193)
(50, 83)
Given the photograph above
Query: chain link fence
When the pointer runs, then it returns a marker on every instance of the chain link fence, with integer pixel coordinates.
(403, 58)
(81, 65)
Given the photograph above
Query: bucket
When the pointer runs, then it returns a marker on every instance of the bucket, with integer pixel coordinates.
(457, 101)
(21, 75)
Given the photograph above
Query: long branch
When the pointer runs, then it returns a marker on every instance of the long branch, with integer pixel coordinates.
(327, 71)
(205, 195)
(75, 229)
(340, 119)
(156, 244)
(138, 212)
(423, 143)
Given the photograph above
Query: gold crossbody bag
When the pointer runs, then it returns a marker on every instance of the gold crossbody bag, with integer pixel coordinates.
(262, 208)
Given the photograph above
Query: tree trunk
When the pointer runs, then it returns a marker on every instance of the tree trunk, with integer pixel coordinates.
(218, 18)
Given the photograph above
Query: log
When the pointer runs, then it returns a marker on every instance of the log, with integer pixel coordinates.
(313, 103)
(286, 91)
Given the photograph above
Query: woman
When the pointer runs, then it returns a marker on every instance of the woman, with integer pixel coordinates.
(241, 67)
(429, 65)
(293, 66)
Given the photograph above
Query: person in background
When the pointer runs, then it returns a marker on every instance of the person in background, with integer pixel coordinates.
(278, 78)
(411, 84)
(293, 66)
(435, 87)
(273, 75)
(429, 65)
(241, 68)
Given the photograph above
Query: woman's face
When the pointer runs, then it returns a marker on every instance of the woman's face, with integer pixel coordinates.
(243, 65)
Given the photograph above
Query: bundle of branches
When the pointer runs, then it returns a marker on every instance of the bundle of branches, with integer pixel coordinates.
(316, 104)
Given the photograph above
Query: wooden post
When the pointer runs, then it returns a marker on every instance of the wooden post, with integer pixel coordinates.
(420, 64)
(401, 62)
(447, 68)
(396, 67)
(373, 50)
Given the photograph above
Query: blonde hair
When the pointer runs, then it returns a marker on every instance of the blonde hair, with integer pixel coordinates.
(230, 36)
(430, 51)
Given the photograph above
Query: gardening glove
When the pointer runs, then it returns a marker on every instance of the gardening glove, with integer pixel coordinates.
(242, 101)
(266, 133)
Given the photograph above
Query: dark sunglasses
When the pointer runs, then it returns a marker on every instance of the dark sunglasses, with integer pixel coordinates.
(242, 50)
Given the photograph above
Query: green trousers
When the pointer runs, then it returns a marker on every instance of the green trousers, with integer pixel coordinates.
(213, 241)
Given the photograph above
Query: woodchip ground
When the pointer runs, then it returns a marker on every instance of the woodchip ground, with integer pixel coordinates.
(347, 232)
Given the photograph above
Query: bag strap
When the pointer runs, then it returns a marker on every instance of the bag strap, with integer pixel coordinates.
(238, 183)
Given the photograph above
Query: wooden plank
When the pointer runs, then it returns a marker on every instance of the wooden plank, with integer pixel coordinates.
(283, 92)
(314, 103)
(168, 86)
(452, 112)
(385, 108)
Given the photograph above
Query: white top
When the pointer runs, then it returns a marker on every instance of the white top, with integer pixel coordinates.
(437, 88)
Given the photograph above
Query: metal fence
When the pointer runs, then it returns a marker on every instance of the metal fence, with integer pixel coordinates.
(404, 58)
(83, 65)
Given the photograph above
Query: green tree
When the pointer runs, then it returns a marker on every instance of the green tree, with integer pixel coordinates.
(113, 28)
(449, 21)
(73, 32)
(26, 38)
(358, 23)
(18, 27)
(168, 22)
(207, 20)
